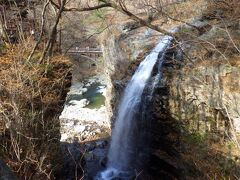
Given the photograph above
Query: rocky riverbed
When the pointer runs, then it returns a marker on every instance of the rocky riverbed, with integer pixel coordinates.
(84, 128)
(84, 116)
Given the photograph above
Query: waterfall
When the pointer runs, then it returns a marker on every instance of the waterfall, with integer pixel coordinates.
(122, 152)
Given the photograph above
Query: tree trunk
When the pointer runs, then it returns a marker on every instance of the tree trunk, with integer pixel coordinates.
(52, 37)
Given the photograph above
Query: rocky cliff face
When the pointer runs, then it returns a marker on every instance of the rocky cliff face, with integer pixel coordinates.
(206, 96)
(205, 87)
(123, 49)
(205, 90)
(199, 93)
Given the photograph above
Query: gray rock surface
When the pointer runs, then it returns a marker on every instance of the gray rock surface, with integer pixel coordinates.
(5, 172)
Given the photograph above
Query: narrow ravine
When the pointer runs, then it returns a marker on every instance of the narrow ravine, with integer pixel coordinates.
(119, 89)
(84, 127)
(123, 152)
(84, 115)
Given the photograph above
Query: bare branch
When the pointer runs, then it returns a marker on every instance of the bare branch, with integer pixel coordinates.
(52, 35)
(82, 9)
(41, 33)
(122, 8)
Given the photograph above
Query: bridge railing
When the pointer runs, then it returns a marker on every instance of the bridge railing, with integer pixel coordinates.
(85, 50)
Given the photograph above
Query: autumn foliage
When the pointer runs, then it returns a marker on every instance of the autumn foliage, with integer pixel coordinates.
(223, 9)
(31, 98)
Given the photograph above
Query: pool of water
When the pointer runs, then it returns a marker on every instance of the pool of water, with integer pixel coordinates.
(94, 95)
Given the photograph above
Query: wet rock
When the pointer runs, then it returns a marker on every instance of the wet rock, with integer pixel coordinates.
(73, 161)
(64, 137)
(82, 103)
(79, 128)
(101, 144)
(103, 161)
(89, 156)
(90, 147)
(96, 152)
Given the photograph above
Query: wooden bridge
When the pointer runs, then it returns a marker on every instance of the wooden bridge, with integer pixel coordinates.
(88, 53)
(77, 50)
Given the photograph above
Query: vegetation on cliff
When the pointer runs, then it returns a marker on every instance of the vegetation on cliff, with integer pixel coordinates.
(35, 76)
(32, 96)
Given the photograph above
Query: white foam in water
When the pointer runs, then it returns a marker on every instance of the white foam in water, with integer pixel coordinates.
(120, 148)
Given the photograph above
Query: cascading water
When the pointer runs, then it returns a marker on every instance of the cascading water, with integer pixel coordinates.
(122, 152)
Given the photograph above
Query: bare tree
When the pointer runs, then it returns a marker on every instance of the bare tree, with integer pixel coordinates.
(53, 34)
(120, 6)
(42, 29)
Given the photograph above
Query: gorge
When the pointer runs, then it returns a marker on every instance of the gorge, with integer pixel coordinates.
(119, 89)
(123, 153)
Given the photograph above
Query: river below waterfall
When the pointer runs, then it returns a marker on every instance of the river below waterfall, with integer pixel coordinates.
(84, 115)
(84, 128)
(84, 112)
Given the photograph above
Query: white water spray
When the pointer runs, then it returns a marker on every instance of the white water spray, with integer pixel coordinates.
(121, 150)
